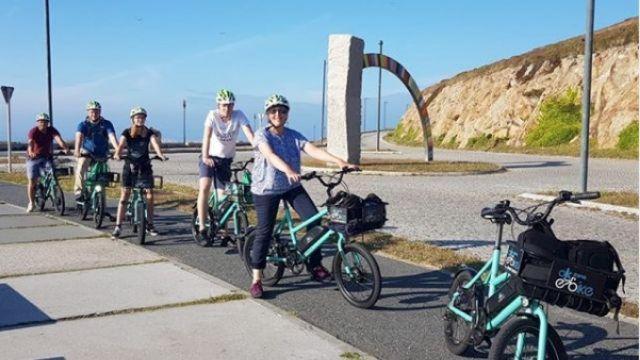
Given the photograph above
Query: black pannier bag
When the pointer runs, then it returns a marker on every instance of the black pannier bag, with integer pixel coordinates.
(354, 215)
(577, 274)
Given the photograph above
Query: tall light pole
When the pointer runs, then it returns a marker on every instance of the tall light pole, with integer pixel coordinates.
(379, 99)
(46, 6)
(324, 89)
(184, 122)
(384, 117)
(7, 91)
(586, 96)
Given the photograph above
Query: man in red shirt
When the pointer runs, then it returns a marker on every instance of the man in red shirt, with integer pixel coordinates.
(39, 152)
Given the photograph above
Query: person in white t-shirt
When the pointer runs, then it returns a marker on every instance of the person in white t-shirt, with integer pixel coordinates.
(218, 149)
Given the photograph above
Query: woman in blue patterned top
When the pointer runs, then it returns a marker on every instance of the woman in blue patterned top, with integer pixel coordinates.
(276, 177)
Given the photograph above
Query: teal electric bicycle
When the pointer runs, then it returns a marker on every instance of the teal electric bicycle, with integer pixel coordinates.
(354, 268)
(228, 214)
(94, 197)
(136, 212)
(490, 304)
(48, 187)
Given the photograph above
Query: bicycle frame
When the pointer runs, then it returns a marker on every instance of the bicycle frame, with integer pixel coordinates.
(287, 222)
(493, 280)
(136, 197)
(48, 181)
(96, 186)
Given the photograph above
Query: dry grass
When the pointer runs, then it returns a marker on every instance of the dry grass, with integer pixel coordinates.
(15, 159)
(401, 165)
(619, 198)
(418, 252)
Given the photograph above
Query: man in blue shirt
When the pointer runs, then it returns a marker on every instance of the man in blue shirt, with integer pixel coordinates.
(92, 137)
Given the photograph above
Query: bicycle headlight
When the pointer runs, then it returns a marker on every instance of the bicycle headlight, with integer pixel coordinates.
(98, 187)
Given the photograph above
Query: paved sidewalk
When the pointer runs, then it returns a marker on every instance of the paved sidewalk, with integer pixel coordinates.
(92, 297)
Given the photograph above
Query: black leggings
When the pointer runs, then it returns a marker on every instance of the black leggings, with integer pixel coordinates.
(267, 210)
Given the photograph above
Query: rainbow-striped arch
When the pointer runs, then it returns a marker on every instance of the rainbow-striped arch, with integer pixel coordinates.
(387, 63)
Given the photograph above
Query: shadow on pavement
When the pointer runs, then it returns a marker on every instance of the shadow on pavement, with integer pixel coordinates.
(17, 311)
(578, 336)
(534, 164)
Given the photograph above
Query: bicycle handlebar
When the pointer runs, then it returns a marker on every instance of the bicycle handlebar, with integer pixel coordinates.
(502, 208)
(90, 156)
(331, 184)
(127, 157)
(241, 165)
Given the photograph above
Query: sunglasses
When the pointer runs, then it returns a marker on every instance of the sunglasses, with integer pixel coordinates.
(281, 110)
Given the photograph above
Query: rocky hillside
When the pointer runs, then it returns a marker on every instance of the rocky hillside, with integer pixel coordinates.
(503, 99)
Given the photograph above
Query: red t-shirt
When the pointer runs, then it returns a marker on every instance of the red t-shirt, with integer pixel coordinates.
(42, 141)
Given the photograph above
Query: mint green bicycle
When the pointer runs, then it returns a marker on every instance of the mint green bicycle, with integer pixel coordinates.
(227, 215)
(48, 187)
(503, 308)
(94, 197)
(354, 268)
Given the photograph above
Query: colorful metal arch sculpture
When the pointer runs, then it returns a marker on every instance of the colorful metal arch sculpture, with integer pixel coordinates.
(387, 63)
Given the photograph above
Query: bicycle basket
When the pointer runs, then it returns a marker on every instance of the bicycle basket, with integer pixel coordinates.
(355, 215)
(245, 179)
(559, 281)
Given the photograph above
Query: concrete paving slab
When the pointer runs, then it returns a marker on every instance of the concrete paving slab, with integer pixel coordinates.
(63, 232)
(35, 258)
(27, 220)
(89, 292)
(234, 330)
(6, 209)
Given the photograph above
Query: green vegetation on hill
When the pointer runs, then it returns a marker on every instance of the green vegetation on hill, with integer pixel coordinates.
(628, 138)
(559, 120)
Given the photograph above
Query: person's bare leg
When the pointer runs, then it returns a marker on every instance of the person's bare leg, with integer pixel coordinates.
(203, 200)
(124, 197)
(257, 276)
(31, 190)
(149, 205)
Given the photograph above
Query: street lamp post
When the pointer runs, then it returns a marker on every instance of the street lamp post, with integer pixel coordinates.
(184, 122)
(379, 99)
(586, 96)
(46, 5)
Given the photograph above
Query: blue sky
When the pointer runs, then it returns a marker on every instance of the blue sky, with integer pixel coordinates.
(155, 53)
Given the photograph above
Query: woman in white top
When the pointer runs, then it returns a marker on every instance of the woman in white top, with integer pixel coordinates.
(218, 149)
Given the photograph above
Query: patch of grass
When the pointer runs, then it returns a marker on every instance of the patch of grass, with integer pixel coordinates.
(419, 252)
(212, 300)
(559, 120)
(628, 138)
(629, 309)
(401, 165)
(351, 356)
(15, 159)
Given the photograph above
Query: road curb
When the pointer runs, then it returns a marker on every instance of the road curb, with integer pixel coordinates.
(584, 204)
(406, 173)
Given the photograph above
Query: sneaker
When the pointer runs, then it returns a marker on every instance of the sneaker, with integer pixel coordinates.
(151, 230)
(256, 290)
(320, 273)
(116, 232)
(30, 207)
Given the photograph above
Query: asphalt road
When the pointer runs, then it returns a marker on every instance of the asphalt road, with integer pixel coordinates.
(406, 322)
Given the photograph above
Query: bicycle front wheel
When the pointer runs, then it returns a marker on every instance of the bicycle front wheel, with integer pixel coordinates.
(57, 199)
(141, 221)
(240, 231)
(98, 209)
(518, 339)
(357, 275)
(40, 196)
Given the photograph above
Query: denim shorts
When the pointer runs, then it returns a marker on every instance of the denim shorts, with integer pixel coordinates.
(221, 171)
(36, 166)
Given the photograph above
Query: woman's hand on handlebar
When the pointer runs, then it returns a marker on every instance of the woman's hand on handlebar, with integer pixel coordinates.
(293, 176)
(346, 166)
(208, 161)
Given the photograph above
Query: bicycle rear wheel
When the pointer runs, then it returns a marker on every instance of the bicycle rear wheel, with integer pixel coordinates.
(518, 339)
(57, 199)
(272, 272)
(457, 331)
(358, 276)
(243, 225)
